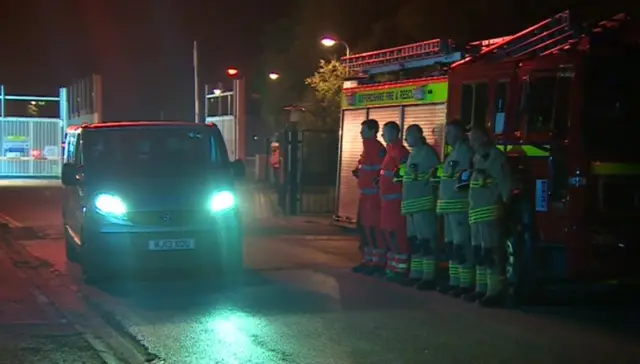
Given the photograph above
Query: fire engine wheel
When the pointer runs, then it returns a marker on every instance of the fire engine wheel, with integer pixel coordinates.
(520, 267)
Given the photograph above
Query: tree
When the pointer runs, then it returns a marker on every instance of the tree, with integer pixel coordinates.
(326, 96)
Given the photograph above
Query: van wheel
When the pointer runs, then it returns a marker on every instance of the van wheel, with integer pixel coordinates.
(92, 271)
(70, 247)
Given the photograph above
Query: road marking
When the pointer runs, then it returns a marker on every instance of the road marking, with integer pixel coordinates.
(11, 222)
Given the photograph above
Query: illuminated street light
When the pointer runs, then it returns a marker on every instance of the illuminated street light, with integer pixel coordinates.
(330, 42)
(274, 76)
(217, 91)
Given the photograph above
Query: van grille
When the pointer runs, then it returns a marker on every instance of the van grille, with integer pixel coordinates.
(164, 217)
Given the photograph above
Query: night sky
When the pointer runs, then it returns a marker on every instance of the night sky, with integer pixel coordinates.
(142, 48)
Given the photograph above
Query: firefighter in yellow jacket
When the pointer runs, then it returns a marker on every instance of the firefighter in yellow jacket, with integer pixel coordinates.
(418, 205)
(453, 205)
(490, 190)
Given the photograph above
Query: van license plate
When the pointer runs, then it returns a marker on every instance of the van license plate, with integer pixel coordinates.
(172, 244)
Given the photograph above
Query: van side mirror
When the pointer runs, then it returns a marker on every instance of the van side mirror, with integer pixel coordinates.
(70, 174)
(238, 169)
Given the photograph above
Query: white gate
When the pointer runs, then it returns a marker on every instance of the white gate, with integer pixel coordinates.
(31, 146)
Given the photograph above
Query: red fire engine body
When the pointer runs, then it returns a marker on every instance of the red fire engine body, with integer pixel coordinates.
(560, 103)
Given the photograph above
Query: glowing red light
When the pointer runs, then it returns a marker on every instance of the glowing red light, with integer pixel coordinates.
(232, 72)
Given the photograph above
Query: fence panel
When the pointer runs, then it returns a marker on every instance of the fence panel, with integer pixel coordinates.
(318, 168)
(31, 147)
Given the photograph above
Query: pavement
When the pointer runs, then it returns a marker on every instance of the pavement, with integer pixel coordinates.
(297, 303)
(32, 329)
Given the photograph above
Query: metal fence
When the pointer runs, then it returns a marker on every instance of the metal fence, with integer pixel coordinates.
(319, 158)
(318, 165)
(31, 147)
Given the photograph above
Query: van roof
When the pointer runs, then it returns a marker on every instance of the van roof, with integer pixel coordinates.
(127, 124)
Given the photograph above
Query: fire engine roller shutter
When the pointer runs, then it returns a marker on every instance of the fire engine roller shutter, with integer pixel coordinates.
(348, 193)
(350, 150)
(431, 118)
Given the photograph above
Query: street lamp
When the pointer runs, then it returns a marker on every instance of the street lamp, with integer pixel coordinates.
(274, 76)
(217, 91)
(330, 42)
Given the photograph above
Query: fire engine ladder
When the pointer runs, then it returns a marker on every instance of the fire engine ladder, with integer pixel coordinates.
(413, 55)
(548, 36)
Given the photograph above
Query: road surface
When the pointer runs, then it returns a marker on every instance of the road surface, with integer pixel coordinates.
(300, 304)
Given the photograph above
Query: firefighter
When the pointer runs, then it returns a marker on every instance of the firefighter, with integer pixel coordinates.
(453, 205)
(393, 223)
(490, 188)
(368, 172)
(418, 205)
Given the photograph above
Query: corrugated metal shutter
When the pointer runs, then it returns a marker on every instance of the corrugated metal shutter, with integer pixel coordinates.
(351, 148)
(431, 118)
(384, 115)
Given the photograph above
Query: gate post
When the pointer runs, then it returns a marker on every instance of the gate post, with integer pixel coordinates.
(293, 160)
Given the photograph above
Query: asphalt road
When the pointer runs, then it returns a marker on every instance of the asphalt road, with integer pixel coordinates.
(300, 304)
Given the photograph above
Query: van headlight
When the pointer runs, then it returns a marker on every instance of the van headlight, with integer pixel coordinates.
(222, 200)
(108, 204)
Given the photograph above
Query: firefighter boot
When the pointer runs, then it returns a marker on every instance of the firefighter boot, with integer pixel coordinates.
(495, 292)
(416, 268)
(428, 281)
(364, 249)
(400, 275)
(481, 286)
(453, 270)
(466, 271)
(466, 281)
(390, 267)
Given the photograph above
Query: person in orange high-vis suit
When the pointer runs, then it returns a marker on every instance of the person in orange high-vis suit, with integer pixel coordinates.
(392, 222)
(368, 173)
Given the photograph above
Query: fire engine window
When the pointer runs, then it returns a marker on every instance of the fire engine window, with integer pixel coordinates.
(540, 101)
(480, 104)
(562, 104)
(466, 114)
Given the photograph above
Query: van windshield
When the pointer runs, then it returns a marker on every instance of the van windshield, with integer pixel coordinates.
(149, 151)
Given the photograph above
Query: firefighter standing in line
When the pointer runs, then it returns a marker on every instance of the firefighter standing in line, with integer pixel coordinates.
(490, 188)
(453, 205)
(393, 223)
(368, 172)
(418, 205)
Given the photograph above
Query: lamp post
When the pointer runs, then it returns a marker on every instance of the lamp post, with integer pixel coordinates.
(330, 42)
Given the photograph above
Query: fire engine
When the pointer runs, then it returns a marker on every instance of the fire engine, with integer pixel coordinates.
(418, 96)
(558, 97)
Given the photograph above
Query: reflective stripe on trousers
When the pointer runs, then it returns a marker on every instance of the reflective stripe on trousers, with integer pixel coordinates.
(417, 205)
(402, 262)
(379, 257)
(458, 205)
(387, 173)
(391, 197)
(369, 191)
(420, 177)
(370, 167)
(481, 214)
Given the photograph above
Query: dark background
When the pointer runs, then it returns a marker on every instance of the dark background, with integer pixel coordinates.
(143, 48)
